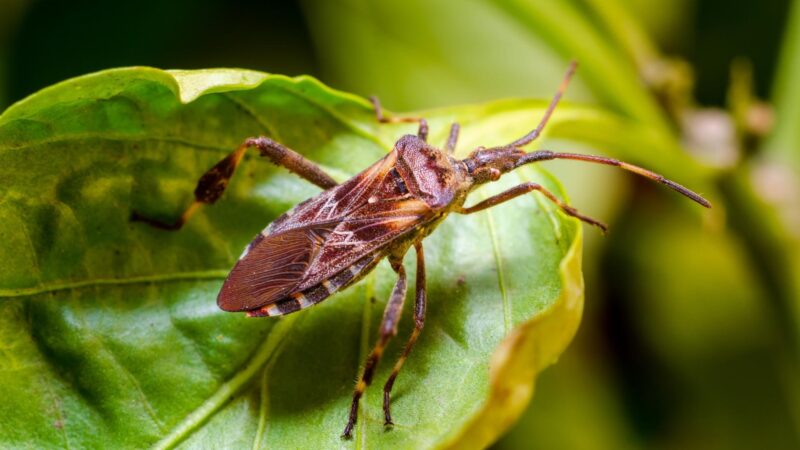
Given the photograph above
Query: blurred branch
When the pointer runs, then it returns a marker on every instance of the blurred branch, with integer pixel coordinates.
(609, 74)
(785, 140)
(670, 79)
(753, 117)
(764, 237)
(782, 148)
(757, 223)
(757, 197)
(627, 32)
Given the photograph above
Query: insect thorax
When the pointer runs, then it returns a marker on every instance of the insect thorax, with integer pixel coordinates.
(430, 174)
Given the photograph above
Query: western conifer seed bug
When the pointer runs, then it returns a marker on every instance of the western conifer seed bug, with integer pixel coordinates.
(334, 239)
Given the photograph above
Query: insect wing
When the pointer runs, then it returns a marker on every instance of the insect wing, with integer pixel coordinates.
(272, 267)
(323, 239)
(369, 230)
(340, 201)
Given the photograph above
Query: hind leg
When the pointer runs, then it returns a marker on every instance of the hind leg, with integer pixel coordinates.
(212, 184)
(420, 304)
(388, 329)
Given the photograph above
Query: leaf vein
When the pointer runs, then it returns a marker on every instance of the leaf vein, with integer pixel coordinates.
(498, 260)
(215, 274)
(113, 137)
(192, 343)
(271, 349)
(56, 403)
(126, 373)
(333, 114)
(32, 249)
(244, 107)
(263, 409)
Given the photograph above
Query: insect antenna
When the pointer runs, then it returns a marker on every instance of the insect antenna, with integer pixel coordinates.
(530, 137)
(508, 157)
(547, 155)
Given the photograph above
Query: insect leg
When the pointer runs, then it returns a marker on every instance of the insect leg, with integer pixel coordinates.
(388, 329)
(524, 188)
(452, 139)
(422, 132)
(212, 184)
(419, 321)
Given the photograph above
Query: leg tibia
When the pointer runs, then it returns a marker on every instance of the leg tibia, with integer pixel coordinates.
(213, 183)
(388, 329)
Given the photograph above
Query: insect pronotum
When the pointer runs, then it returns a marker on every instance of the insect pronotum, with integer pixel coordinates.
(334, 239)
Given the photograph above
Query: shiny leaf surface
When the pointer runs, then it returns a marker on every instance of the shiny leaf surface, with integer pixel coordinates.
(110, 331)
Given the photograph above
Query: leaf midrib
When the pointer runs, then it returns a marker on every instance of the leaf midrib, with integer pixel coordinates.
(265, 353)
(213, 274)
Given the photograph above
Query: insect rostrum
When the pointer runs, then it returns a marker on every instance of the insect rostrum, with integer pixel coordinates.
(332, 240)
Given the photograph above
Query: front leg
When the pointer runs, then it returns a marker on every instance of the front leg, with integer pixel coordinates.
(524, 188)
(388, 329)
(212, 184)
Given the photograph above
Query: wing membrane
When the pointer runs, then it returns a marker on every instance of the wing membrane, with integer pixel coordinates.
(322, 237)
(272, 268)
(369, 230)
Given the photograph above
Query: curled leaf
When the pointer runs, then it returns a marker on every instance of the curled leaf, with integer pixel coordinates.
(110, 332)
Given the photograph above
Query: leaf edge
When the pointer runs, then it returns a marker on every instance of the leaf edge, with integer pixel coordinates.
(525, 353)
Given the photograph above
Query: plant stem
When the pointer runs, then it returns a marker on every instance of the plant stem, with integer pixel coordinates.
(784, 142)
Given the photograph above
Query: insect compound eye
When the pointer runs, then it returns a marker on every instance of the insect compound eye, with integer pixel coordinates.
(487, 174)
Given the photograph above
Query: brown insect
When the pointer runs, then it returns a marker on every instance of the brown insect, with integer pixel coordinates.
(334, 239)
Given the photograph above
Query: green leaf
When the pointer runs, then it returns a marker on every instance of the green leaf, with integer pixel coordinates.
(110, 332)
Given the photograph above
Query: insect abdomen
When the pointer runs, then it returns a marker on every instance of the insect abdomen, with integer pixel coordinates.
(317, 293)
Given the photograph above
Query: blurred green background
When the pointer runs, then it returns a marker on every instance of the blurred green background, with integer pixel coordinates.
(690, 336)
